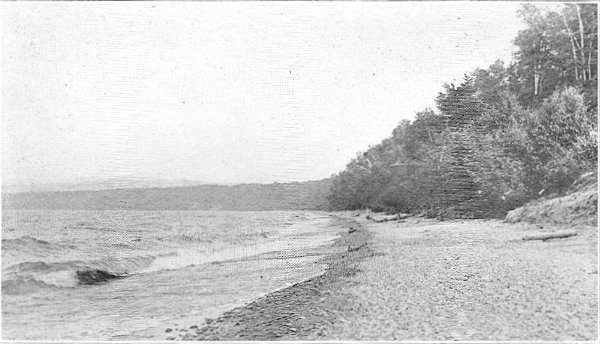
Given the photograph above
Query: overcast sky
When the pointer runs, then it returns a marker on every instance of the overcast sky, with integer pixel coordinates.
(225, 92)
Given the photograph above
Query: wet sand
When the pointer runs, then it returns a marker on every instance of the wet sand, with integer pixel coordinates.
(430, 280)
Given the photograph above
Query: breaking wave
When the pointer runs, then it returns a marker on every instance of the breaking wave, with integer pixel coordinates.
(29, 277)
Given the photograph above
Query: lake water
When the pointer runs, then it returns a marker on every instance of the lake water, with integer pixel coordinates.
(129, 275)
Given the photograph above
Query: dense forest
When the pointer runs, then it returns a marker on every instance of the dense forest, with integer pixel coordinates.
(501, 137)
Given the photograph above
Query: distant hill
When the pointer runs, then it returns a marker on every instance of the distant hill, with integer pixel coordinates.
(278, 196)
(96, 185)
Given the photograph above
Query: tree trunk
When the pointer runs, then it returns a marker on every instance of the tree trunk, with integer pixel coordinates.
(582, 45)
(572, 39)
(590, 61)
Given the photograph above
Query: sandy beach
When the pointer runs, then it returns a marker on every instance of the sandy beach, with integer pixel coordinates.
(419, 279)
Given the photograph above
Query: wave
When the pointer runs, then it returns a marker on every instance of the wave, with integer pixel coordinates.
(24, 241)
(24, 286)
(49, 270)
(57, 279)
(28, 277)
(34, 246)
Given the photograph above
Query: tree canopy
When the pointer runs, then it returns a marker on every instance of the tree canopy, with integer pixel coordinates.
(504, 135)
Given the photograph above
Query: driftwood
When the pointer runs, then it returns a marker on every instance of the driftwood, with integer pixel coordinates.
(354, 249)
(388, 218)
(550, 235)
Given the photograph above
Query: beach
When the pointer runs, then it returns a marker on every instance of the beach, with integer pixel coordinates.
(286, 171)
(295, 276)
(419, 279)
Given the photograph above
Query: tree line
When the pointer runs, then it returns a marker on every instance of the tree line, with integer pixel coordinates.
(503, 136)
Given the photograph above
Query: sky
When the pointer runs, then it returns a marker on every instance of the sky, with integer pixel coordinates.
(225, 92)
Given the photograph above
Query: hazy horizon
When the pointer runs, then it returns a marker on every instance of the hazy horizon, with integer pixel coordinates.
(225, 93)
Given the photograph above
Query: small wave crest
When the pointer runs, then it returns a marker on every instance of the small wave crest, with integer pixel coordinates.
(191, 238)
(31, 246)
(23, 286)
(28, 283)
(24, 241)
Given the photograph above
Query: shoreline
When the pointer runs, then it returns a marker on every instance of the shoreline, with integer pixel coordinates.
(419, 279)
(295, 312)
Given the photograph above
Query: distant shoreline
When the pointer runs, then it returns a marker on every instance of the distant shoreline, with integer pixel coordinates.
(311, 195)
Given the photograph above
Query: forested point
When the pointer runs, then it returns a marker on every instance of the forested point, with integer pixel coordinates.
(504, 136)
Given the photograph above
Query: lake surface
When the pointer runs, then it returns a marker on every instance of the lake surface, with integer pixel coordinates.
(130, 275)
